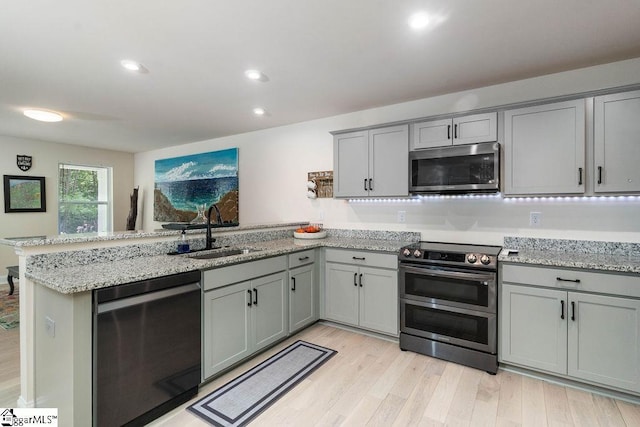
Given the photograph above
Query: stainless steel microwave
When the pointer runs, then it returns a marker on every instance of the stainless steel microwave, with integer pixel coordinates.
(471, 168)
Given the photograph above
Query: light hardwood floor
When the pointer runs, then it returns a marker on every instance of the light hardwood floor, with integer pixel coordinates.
(371, 382)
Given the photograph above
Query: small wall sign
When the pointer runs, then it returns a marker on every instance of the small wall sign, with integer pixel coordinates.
(24, 162)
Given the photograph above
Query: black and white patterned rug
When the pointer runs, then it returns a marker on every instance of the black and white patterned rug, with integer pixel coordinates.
(242, 399)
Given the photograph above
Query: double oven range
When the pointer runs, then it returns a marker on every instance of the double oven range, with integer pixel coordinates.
(448, 302)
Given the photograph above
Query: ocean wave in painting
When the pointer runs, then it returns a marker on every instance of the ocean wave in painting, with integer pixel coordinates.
(188, 194)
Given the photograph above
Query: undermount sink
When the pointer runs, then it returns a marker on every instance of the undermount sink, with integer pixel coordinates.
(223, 253)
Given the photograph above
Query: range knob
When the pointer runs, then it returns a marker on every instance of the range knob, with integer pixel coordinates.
(406, 252)
(485, 260)
(472, 258)
(417, 253)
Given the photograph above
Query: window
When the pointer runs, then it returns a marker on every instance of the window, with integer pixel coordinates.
(84, 199)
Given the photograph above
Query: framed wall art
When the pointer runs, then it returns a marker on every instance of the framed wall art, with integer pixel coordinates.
(24, 194)
(186, 186)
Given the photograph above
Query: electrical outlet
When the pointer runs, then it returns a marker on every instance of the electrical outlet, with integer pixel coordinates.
(50, 326)
(402, 216)
(535, 219)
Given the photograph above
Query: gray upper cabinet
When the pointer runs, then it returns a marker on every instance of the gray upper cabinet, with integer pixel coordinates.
(457, 131)
(544, 149)
(372, 163)
(617, 143)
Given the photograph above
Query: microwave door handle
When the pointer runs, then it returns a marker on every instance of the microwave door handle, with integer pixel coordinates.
(451, 274)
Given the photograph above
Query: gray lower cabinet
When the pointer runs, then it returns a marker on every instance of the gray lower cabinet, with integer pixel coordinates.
(360, 295)
(303, 290)
(577, 332)
(241, 314)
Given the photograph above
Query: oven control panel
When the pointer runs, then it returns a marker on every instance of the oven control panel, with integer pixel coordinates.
(451, 258)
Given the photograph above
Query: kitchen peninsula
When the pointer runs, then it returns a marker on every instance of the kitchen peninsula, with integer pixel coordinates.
(59, 274)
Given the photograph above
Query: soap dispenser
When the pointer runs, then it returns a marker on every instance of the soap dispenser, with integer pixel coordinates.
(183, 243)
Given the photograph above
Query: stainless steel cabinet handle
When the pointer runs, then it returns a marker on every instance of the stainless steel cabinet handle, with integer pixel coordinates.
(249, 303)
(293, 288)
(560, 279)
(579, 176)
(599, 174)
(360, 280)
(255, 298)
(355, 277)
(562, 309)
(573, 311)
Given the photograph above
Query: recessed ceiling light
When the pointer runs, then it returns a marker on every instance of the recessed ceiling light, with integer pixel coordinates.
(133, 66)
(256, 75)
(419, 20)
(259, 111)
(43, 115)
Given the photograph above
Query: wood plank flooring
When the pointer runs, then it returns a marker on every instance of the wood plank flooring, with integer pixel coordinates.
(371, 382)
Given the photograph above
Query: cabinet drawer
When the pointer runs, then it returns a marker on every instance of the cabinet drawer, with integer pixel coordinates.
(223, 276)
(371, 259)
(302, 258)
(572, 279)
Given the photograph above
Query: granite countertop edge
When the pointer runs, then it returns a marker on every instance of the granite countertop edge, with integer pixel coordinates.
(64, 239)
(70, 280)
(589, 261)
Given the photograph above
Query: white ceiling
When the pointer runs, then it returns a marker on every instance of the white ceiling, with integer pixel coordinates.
(322, 57)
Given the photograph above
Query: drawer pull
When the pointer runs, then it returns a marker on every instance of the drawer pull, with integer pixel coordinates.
(304, 258)
(562, 309)
(358, 258)
(560, 279)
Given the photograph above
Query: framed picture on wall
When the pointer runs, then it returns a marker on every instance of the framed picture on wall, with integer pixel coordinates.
(24, 194)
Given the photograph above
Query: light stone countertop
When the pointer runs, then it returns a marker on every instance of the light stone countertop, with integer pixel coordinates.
(583, 254)
(69, 280)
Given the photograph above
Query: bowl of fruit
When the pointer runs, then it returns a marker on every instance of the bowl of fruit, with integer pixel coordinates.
(313, 231)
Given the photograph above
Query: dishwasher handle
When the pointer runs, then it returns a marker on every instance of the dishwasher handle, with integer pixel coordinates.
(148, 297)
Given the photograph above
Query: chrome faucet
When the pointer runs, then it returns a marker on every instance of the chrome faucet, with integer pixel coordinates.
(210, 240)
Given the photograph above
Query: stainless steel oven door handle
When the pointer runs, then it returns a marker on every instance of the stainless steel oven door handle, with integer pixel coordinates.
(476, 277)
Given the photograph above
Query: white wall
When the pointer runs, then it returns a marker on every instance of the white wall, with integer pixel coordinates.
(46, 157)
(273, 166)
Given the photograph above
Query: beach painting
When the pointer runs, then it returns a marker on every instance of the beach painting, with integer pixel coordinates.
(188, 183)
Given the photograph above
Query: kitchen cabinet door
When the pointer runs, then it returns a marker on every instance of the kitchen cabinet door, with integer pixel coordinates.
(617, 143)
(389, 161)
(350, 164)
(533, 328)
(302, 297)
(341, 293)
(226, 329)
(475, 128)
(431, 134)
(544, 149)
(604, 340)
(269, 309)
(378, 299)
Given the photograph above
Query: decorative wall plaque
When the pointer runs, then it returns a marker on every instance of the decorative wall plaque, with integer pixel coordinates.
(24, 162)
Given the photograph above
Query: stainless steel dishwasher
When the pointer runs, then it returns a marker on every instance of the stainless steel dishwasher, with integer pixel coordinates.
(146, 348)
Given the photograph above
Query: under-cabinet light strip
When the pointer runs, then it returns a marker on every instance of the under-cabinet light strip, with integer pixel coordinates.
(498, 196)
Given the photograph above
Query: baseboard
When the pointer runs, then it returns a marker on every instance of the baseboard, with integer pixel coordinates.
(359, 331)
